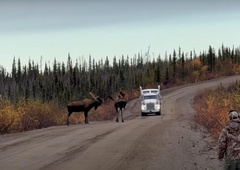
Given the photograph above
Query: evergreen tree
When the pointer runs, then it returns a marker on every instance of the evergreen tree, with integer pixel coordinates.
(14, 69)
(19, 71)
(183, 65)
(174, 64)
(211, 59)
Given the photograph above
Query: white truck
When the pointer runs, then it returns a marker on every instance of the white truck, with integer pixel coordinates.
(150, 101)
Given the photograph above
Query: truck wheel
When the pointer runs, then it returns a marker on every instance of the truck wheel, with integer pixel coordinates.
(158, 113)
(143, 114)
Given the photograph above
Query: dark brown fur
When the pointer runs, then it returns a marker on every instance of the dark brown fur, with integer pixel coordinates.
(120, 103)
(84, 105)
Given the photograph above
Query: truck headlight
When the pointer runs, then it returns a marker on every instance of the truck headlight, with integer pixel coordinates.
(157, 106)
(143, 107)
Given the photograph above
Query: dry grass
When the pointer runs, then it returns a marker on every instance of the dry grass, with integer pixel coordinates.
(34, 114)
(28, 115)
(212, 107)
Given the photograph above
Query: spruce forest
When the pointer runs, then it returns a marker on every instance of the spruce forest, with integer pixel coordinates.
(35, 95)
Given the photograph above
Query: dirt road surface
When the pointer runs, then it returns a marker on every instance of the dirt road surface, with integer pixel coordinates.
(165, 142)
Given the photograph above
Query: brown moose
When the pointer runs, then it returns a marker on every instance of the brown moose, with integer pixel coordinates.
(84, 105)
(120, 103)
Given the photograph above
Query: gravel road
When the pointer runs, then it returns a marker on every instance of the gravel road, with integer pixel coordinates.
(170, 141)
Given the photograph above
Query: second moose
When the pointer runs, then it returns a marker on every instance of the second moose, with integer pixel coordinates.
(120, 103)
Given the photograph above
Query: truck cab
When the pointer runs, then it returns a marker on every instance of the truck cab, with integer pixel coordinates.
(150, 101)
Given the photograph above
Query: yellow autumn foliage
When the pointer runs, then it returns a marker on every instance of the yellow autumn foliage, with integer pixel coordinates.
(196, 63)
(34, 114)
(29, 115)
(212, 107)
(196, 75)
(204, 69)
(236, 69)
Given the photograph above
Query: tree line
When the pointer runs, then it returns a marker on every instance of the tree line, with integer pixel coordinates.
(63, 82)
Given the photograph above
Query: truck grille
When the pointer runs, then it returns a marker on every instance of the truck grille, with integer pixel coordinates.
(150, 106)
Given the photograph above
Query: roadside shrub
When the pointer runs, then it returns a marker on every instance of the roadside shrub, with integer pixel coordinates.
(9, 117)
(212, 107)
(37, 115)
(29, 115)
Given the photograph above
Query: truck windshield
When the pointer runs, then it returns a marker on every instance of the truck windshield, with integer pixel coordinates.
(150, 97)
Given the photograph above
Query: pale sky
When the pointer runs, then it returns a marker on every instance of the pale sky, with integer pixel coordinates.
(30, 29)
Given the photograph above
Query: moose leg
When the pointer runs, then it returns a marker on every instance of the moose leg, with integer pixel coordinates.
(86, 117)
(116, 107)
(122, 114)
(117, 115)
(69, 114)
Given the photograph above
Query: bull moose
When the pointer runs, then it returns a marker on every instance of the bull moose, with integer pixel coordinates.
(84, 105)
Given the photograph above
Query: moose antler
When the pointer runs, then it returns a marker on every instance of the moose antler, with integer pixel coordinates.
(122, 93)
(93, 96)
